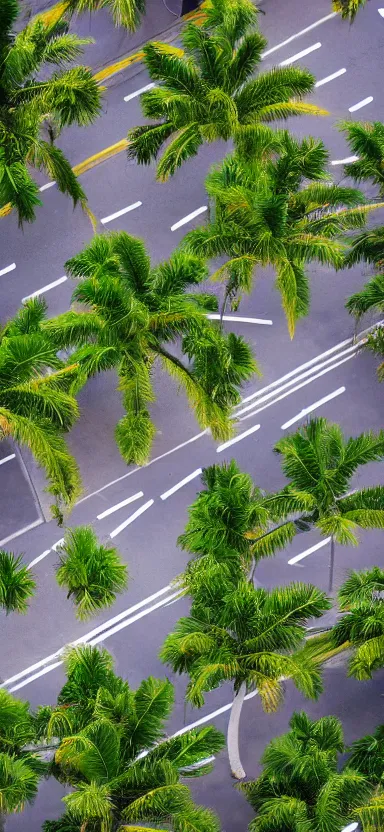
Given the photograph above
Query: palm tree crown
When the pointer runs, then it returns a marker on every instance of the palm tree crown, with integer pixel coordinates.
(92, 573)
(300, 787)
(366, 140)
(320, 464)
(361, 597)
(229, 522)
(20, 770)
(208, 91)
(248, 636)
(266, 213)
(131, 313)
(36, 398)
(126, 13)
(30, 106)
(16, 583)
(114, 752)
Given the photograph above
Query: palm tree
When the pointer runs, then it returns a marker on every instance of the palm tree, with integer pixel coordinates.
(268, 215)
(20, 769)
(366, 140)
(37, 401)
(348, 8)
(367, 756)
(362, 627)
(92, 573)
(208, 91)
(125, 13)
(35, 107)
(320, 464)
(300, 786)
(131, 314)
(248, 636)
(16, 583)
(123, 771)
(229, 521)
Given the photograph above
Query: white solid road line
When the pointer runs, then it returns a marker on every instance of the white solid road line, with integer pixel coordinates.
(298, 34)
(298, 387)
(301, 54)
(152, 461)
(39, 558)
(87, 636)
(48, 185)
(309, 551)
(330, 77)
(181, 483)
(189, 217)
(273, 385)
(299, 377)
(381, 12)
(312, 407)
(7, 458)
(297, 370)
(26, 529)
(163, 603)
(345, 161)
(131, 518)
(8, 269)
(361, 104)
(120, 505)
(237, 438)
(58, 543)
(45, 288)
(138, 92)
(121, 212)
(237, 319)
(105, 632)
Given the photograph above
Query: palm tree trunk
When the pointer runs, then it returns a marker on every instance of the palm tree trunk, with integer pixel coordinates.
(237, 770)
(331, 564)
(224, 305)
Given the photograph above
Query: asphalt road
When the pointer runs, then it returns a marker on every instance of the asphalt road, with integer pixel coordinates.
(148, 542)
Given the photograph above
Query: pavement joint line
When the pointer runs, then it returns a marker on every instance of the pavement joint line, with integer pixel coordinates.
(301, 54)
(298, 387)
(311, 407)
(83, 639)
